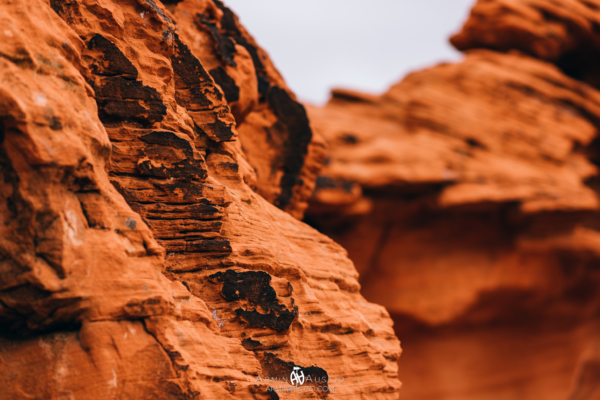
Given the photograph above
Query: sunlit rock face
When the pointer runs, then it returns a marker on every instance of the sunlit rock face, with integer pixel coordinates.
(467, 197)
(153, 170)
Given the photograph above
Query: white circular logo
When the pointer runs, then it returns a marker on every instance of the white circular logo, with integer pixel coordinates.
(297, 376)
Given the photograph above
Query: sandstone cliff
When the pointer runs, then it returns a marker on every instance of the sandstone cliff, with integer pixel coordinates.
(154, 166)
(467, 196)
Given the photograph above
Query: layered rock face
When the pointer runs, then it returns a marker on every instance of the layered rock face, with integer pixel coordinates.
(154, 166)
(467, 196)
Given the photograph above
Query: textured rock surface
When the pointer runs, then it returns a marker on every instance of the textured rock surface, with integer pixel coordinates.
(274, 130)
(467, 196)
(141, 255)
(565, 32)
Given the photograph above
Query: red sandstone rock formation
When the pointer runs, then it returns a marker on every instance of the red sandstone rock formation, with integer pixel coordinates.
(467, 196)
(143, 151)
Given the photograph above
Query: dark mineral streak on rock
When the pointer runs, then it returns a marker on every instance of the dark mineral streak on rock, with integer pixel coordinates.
(165, 138)
(224, 132)
(225, 45)
(250, 344)
(292, 119)
(255, 287)
(280, 322)
(229, 25)
(172, 211)
(119, 96)
(58, 7)
(213, 246)
(184, 169)
(228, 20)
(112, 60)
(120, 99)
(231, 90)
(252, 285)
(194, 85)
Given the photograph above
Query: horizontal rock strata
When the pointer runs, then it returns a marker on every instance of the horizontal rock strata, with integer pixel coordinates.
(154, 166)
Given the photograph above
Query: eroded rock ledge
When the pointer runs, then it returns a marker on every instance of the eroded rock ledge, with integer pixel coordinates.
(154, 166)
(467, 196)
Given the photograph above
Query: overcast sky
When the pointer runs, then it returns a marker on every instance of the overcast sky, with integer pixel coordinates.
(357, 44)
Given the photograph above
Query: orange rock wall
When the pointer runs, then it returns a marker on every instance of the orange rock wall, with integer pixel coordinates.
(467, 196)
(141, 253)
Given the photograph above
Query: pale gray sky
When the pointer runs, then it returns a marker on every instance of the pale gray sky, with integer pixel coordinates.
(357, 44)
